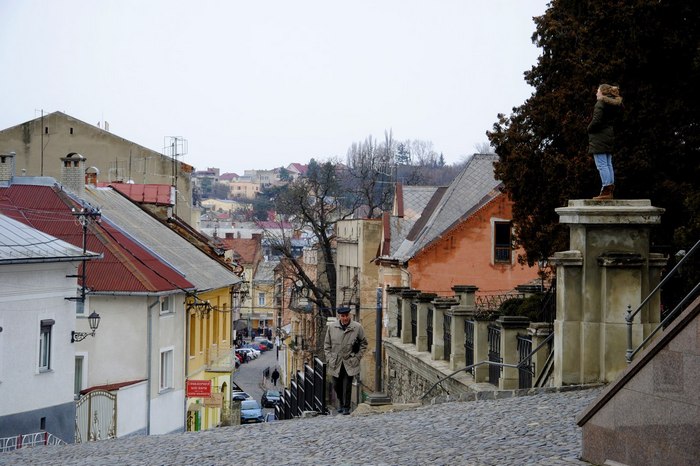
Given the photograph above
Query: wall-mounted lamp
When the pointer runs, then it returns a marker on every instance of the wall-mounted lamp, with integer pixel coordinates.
(94, 321)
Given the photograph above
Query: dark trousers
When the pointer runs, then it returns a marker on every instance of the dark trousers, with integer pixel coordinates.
(343, 387)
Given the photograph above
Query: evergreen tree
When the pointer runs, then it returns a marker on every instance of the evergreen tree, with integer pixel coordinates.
(651, 49)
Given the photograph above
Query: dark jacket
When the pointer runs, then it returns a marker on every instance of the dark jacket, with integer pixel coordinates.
(601, 132)
(344, 347)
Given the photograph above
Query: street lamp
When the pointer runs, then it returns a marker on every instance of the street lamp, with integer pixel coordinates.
(94, 321)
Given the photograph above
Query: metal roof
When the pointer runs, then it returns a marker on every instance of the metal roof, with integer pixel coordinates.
(201, 270)
(126, 268)
(474, 187)
(20, 243)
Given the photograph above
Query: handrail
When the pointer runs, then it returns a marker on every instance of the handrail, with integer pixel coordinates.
(499, 364)
(629, 316)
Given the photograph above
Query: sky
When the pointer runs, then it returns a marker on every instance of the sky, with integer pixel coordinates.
(262, 84)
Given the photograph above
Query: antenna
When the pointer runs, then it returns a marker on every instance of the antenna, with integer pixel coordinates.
(174, 147)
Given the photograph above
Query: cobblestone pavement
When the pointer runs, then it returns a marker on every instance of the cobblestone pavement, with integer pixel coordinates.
(529, 430)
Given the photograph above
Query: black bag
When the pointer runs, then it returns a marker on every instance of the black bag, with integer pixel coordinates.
(356, 345)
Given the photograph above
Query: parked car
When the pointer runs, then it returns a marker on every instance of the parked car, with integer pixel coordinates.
(252, 353)
(270, 398)
(256, 346)
(251, 411)
(264, 341)
(240, 396)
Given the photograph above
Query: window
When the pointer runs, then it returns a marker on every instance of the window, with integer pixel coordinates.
(261, 299)
(502, 242)
(78, 381)
(166, 305)
(166, 369)
(45, 345)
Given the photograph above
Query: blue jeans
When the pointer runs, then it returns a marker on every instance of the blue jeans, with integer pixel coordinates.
(603, 163)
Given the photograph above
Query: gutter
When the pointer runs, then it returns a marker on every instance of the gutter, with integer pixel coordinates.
(43, 260)
(149, 344)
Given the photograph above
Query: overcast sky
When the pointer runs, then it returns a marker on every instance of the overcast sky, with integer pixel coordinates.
(261, 84)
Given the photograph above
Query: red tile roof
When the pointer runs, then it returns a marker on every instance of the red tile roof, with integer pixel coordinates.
(126, 267)
(247, 248)
(159, 194)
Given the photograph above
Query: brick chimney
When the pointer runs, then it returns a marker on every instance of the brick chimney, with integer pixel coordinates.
(7, 168)
(73, 173)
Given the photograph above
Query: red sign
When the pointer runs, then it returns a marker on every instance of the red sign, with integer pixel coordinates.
(198, 388)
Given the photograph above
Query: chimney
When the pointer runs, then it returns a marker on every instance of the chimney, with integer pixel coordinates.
(73, 173)
(7, 168)
(91, 175)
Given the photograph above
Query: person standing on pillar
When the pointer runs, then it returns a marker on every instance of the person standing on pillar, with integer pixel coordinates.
(601, 136)
(344, 346)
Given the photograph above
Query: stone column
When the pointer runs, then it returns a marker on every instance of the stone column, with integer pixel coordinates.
(539, 332)
(392, 309)
(510, 327)
(607, 267)
(464, 309)
(407, 298)
(481, 347)
(424, 300)
(439, 308)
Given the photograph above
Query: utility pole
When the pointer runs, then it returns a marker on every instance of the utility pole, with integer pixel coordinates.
(378, 398)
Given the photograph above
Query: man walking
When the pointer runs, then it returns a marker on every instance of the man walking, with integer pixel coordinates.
(344, 345)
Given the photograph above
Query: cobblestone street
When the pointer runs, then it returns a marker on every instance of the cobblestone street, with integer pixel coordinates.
(529, 430)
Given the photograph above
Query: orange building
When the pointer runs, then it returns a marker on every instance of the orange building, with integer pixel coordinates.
(437, 238)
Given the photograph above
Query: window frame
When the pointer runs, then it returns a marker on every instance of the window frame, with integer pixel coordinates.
(261, 298)
(166, 369)
(500, 247)
(45, 343)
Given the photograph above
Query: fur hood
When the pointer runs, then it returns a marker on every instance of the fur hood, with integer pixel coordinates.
(610, 100)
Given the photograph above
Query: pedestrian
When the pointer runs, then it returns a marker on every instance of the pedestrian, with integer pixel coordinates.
(344, 345)
(601, 136)
(275, 375)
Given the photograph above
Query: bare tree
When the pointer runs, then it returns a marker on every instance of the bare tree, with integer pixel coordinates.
(370, 171)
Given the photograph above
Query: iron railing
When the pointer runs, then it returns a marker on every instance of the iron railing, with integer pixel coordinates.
(527, 370)
(307, 392)
(629, 317)
(469, 342)
(414, 322)
(494, 339)
(28, 440)
(429, 329)
(500, 365)
(447, 336)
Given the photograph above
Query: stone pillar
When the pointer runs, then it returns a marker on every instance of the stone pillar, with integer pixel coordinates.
(510, 327)
(539, 331)
(481, 347)
(407, 298)
(392, 309)
(439, 308)
(7, 168)
(607, 268)
(466, 308)
(424, 300)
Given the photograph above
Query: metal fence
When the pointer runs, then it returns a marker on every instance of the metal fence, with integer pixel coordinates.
(28, 440)
(414, 323)
(494, 337)
(429, 329)
(399, 320)
(447, 336)
(469, 343)
(526, 369)
(307, 392)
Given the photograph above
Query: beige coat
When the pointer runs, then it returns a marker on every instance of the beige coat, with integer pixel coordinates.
(338, 347)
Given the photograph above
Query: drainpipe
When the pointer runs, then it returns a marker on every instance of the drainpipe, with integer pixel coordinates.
(149, 344)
